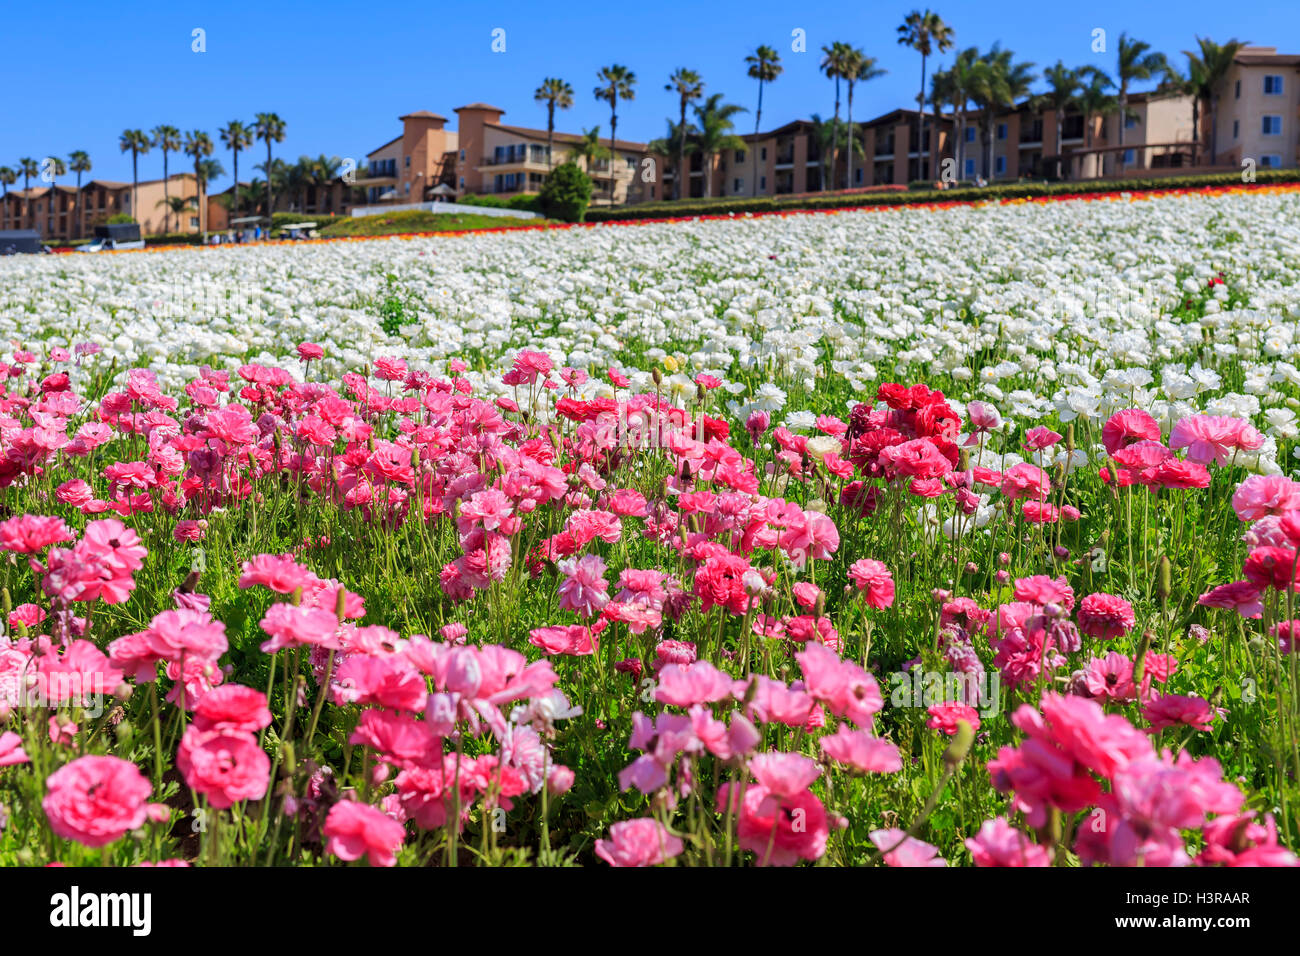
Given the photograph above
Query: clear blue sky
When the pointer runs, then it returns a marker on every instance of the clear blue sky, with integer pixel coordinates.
(75, 74)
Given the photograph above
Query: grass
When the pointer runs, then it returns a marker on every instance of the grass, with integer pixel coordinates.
(414, 220)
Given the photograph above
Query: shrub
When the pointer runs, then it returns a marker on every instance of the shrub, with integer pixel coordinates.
(120, 217)
(566, 193)
(1025, 190)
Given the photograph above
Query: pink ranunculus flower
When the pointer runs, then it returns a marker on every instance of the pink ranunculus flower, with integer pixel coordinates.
(873, 579)
(998, 843)
(226, 766)
(640, 842)
(902, 850)
(1105, 616)
(861, 750)
(96, 800)
(353, 830)
(1214, 438)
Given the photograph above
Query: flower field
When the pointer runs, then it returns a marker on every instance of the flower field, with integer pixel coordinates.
(905, 537)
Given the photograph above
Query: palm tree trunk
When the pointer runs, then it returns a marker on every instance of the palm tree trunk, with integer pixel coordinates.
(920, 124)
(550, 135)
(135, 187)
(1214, 131)
(613, 131)
(167, 214)
(753, 186)
(681, 152)
(848, 173)
(1058, 144)
(1121, 119)
(835, 138)
(270, 202)
(1196, 128)
(81, 208)
(235, 205)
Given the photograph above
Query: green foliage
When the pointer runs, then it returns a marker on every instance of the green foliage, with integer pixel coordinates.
(120, 217)
(890, 196)
(566, 193)
(528, 202)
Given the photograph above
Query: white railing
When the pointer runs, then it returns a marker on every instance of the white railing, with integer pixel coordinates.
(358, 211)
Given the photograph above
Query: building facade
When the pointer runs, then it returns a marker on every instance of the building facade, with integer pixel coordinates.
(1257, 111)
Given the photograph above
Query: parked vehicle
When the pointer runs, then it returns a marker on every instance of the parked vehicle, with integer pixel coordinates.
(115, 236)
(13, 241)
(299, 230)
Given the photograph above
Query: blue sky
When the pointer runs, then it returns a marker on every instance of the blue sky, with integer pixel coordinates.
(341, 73)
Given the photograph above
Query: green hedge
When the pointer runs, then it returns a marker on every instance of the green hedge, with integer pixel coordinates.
(526, 201)
(1026, 190)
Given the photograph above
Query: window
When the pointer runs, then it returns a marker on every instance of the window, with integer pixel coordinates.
(1236, 90)
(631, 161)
(462, 156)
(1272, 125)
(737, 185)
(194, 222)
(970, 134)
(857, 175)
(970, 168)
(1129, 155)
(1002, 131)
(1131, 121)
(1001, 166)
(1273, 85)
(762, 182)
(408, 162)
(740, 155)
(1236, 129)
(462, 182)
(1270, 161)
(762, 154)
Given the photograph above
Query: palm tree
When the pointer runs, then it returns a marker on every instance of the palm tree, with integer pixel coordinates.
(764, 66)
(54, 168)
(858, 68)
(925, 33)
(1207, 69)
(997, 83)
(1063, 84)
(270, 129)
(617, 83)
(277, 178)
(716, 133)
(554, 93)
(236, 136)
(823, 135)
(589, 148)
(322, 171)
(198, 144)
(1095, 100)
(135, 142)
(689, 87)
(1135, 63)
(205, 172)
(941, 95)
(176, 205)
(79, 162)
(833, 62)
(29, 168)
(679, 141)
(961, 80)
(8, 176)
(166, 139)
